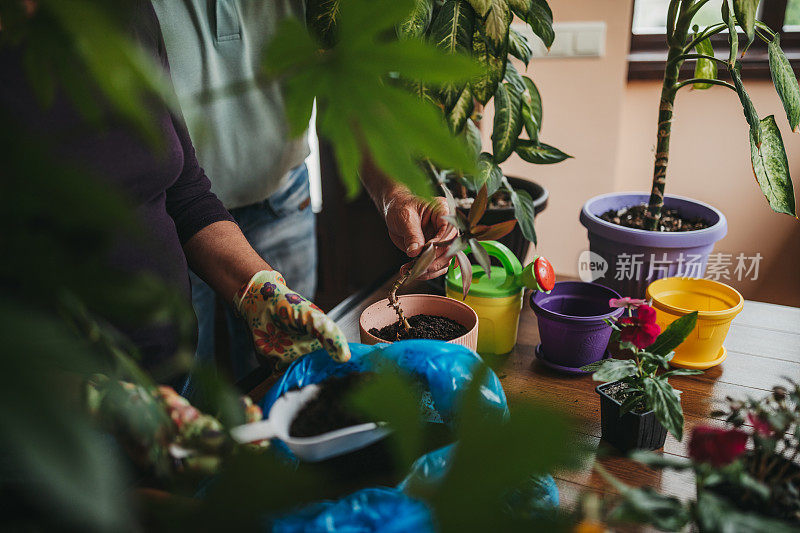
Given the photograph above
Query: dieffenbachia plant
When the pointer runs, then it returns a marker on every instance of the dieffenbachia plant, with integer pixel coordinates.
(482, 30)
(688, 43)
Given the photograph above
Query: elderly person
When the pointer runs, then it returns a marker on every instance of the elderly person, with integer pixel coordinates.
(256, 169)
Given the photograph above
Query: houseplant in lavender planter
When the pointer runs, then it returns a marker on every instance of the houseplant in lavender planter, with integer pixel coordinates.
(643, 237)
(483, 31)
(638, 406)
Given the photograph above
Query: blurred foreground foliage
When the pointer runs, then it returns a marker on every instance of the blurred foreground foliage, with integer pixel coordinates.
(59, 470)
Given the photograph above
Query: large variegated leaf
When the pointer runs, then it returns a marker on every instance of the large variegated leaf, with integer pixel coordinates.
(321, 17)
(485, 86)
(531, 109)
(540, 19)
(453, 26)
(785, 82)
(461, 111)
(520, 7)
(496, 24)
(513, 77)
(418, 20)
(539, 153)
(507, 121)
(524, 212)
(473, 136)
(772, 168)
(745, 11)
(750, 113)
(705, 68)
(481, 7)
(518, 46)
(733, 37)
(488, 174)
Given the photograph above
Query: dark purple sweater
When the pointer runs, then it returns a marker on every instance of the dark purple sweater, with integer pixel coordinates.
(169, 191)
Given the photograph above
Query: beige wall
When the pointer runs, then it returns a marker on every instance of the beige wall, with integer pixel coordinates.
(608, 124)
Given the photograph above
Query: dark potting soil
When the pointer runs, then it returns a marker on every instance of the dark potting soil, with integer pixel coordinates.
(329, 410)
(621, 392)
(636, 216)
(422, 327)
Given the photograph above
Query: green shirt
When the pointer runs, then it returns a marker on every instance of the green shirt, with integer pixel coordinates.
(239, 129)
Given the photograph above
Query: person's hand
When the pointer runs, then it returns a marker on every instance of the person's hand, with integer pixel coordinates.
(284, 324)
(412, 222)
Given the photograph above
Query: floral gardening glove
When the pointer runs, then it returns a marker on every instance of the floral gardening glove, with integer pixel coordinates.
(284, 324)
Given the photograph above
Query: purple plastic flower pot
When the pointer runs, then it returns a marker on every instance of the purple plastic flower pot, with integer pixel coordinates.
(572, 322)
(635, 257)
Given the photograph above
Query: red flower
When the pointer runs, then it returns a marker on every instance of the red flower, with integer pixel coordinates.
(272, 340)
(761, 426)
(716, 446)
(640, 330)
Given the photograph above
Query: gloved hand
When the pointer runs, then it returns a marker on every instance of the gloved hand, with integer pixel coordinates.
(284, 324)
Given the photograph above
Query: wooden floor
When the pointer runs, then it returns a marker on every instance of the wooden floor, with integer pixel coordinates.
(763, 346)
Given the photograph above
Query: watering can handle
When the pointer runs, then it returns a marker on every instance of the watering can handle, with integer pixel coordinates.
(510, 263)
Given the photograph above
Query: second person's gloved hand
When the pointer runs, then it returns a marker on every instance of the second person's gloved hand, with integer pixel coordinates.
(285, 325)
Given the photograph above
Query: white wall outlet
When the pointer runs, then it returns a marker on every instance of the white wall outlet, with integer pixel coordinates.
(573, 39)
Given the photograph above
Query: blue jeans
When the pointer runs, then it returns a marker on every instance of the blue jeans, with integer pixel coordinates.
(282, 230)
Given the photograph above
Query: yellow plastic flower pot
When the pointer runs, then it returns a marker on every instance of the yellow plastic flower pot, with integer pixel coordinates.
(716, 303)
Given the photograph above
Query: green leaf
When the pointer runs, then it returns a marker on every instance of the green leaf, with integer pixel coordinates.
(481, 256)
(705, 68)
(539, 153)
(661, 460)
(488, 174)
(674, 335)
(473, 136)
(666, 402)
(518, 46)
(772, 168)
(461, 111)
(785, 82)
(481, 7)
(485, 86)
(496, 24)
(532, 109)
(524, 212)
(540, 19)
(452, 28)
(716, 514)
(733, 36)
(630, 402)
(646, 506)
(682, 372)
(745, 11)
(750, 113)
(418, 20)
(615, 369)
(591, 367)
(513, 77)
(520, 7)
(507, 121)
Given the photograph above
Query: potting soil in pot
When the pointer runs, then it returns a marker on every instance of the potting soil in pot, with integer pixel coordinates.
(432, 327)
(636, 216)
(620, 392)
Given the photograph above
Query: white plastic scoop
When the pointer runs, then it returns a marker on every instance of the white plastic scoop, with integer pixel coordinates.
(312, 449)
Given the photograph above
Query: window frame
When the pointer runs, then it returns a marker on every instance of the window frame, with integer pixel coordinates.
(648, 52)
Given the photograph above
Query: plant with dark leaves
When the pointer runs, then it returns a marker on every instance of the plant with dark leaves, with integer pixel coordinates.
(470, 233)
(687, 42)
(738, 489)
(647, 389)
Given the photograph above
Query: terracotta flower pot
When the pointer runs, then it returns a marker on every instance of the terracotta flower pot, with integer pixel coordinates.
(381, 314)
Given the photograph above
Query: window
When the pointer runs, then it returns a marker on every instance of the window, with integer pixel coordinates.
(648, 48)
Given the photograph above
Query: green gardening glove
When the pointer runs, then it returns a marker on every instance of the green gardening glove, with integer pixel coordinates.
(284, 324)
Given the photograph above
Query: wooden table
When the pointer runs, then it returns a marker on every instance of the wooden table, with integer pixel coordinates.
(763, 346)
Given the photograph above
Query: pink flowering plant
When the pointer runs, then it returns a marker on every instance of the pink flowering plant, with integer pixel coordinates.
(747, 472)
(643, 368)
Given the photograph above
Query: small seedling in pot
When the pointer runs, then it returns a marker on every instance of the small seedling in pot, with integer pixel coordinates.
(641, 387)
(470, 232)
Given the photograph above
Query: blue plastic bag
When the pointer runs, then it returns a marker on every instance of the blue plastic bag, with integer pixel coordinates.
(445, 370)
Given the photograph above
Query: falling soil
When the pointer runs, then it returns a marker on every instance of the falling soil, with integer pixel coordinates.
(620, 392)
(329, 411)
(422, 327)
(636, 216)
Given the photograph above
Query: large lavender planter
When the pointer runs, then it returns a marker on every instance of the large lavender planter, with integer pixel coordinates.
(572, 323)
(636, 257)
